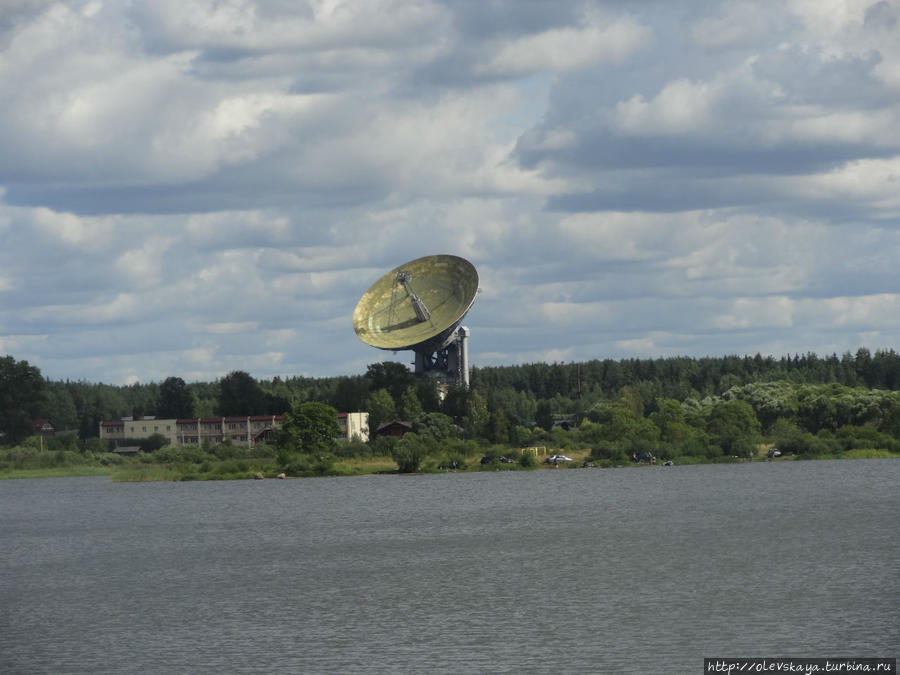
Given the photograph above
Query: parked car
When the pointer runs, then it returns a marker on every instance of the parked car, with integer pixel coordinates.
(773, 452)
(503, 459)
(556, 459)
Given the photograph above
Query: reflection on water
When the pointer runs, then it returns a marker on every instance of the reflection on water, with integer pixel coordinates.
(621, 570)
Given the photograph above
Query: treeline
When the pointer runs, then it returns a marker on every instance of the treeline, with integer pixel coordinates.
(511, 404)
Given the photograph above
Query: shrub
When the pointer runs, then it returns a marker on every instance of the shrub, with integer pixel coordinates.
(302, 464)
(409, 451)
(608, 450)
(353, 448)
(228, 451)
(384, 445)
(527, 460)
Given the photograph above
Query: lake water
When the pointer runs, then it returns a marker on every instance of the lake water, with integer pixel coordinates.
(577, 571)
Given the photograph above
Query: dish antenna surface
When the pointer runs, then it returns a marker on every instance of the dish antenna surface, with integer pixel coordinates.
(419, 306)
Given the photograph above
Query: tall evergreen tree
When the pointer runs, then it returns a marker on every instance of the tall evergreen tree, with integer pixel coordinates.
(21, 397)
(240, 394)
(175, 399)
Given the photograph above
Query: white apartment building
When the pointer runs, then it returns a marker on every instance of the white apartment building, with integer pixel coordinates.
(246, 431)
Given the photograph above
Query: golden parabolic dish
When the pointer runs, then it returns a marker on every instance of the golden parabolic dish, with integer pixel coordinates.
(385, 317)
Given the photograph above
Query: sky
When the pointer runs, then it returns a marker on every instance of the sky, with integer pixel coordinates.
(193, 187)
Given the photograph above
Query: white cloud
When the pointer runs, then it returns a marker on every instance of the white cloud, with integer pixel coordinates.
(232, 328)
(873, 181)
(678, 179)
(758, 313)
(143, 264)
(682, 106)
(200, 356)
(236, 228)
(81, 233)
(6, 283)
(597, 39)
(734, 24)
(121, 307)
(643, 345)
(319, 24)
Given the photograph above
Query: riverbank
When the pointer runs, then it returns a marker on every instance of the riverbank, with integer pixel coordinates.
(139, 470)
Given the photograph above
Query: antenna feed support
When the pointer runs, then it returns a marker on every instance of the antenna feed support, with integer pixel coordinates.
(422, 313)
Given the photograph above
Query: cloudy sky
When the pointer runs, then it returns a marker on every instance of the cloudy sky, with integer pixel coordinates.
(190, 187)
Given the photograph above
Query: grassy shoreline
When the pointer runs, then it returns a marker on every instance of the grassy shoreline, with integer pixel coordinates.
(358, 466)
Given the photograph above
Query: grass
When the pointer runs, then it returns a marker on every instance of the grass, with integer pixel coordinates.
(355, 466)
(870, 454)
(46, 465)
(146, 473)
(56, 472)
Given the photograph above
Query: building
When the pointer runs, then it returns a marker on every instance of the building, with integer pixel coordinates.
(354, 425)
(43, 427)
(245, 431)
(394, 428)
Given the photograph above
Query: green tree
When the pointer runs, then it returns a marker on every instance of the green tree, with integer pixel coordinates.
(438, 426)
(498, 427)
(175, 399)
(240, 394)
(670, 419)
(630, 398)
(770, 400)
(543, 416)
(410, 407)
(733, 426)
(311, 428)
(350, 394)
(60, 406)
(428, 395)
(476, 417)
(21, 397)
(620, 424)
(381, 409)
(410, 450)
(390, 375)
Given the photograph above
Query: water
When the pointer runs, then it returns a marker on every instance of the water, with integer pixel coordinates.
(601, 571)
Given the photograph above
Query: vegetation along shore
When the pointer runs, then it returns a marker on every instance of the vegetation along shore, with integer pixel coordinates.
(597, 413)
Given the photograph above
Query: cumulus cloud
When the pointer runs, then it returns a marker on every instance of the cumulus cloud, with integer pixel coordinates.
(196, 187)
(559, 49)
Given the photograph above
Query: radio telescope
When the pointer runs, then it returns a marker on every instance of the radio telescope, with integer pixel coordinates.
(419, 306)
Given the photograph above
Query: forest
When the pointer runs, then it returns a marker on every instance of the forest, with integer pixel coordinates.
(671, 407)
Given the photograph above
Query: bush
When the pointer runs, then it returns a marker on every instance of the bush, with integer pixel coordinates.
(866, 437)
(261, 451)
(302, 464)
(744, 447)
(384, 445)
(112, 459)
(409, 451)
(189, 454)
(228, 451)
(868, 454)
(611, 451)
(527, 460)
(353, 448)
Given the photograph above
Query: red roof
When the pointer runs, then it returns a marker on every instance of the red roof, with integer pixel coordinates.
(186, 420)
